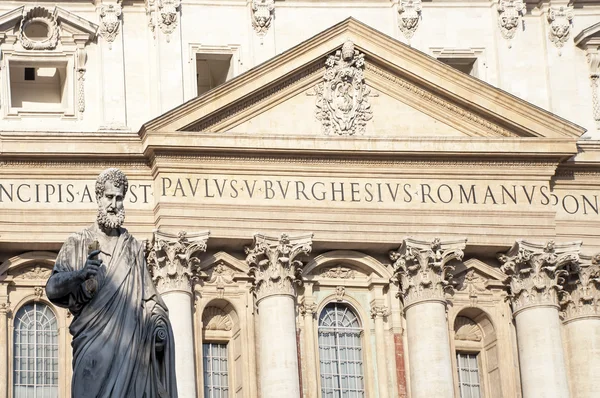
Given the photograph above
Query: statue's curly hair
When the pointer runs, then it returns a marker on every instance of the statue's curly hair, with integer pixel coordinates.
(114, 175)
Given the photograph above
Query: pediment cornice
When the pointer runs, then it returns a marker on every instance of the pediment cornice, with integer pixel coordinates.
(472, 106)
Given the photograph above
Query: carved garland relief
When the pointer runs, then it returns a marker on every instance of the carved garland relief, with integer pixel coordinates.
(342, 98)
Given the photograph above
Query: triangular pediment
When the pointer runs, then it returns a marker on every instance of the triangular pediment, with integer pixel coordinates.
(476, 275)
(404, 93)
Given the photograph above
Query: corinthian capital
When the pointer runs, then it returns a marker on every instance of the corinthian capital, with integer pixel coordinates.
(173, 259)
(581, 295)
(535, 272)
(273, 263)
(423, 268)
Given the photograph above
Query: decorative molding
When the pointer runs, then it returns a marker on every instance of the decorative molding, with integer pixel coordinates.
(5, 309)
(307, 309)
(338, 272)
(509, 16)
(340, 292)
(273, 264)
(471, 282)
(581, 295)
(467, 330)
(342, 97)
(214, 318)
(263, 12)
(168, 16)
(39, 15)
(150, 6)
(239, 106)
(423, 269)
(110, 22)
(463, 114)
(173, 259)
(220, 276)
(379, 311)
(38, 291)
(560, 19)
(535, 272)
(81, 60)
(409, 15)
(36, 272)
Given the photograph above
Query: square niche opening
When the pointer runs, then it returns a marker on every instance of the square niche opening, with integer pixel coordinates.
(465, 65)
(212, 70)
(38, 86)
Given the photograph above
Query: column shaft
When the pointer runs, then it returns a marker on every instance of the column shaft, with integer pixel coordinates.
(311, 364)
(181, 320)
(543, 371)
(381, 357)
(278, 352)
(429, 351)
(4, 378)
(583, 351)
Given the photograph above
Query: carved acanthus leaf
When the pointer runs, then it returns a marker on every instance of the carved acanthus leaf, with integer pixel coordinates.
(110, 22)
(273, 263)
(560, 20)
(342, 98)
(338, 272)
(536, 272)
(409, 15)
(262, 15)
(214, 318)
(379, 311)
(36, 272)
(466, 329)
(173, 259)
(423, 269)
(509, 16)
(581, 295)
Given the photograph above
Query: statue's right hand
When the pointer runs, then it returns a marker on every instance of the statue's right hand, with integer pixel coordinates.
(92, 266)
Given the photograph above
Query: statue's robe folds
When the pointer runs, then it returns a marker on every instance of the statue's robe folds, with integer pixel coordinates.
(114, 329)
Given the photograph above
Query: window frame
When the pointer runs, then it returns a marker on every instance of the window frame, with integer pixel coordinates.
(13, 342)
(361, 336)
(478, 358)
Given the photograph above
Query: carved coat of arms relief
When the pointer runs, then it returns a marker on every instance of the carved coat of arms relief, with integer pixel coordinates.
(342, 98)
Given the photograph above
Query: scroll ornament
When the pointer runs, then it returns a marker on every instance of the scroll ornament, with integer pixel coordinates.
(509, 16)
(274, 265)
(342, 98)
(581, 296)
(173, 259)
(262, 15)
(560, 20)
(536, 272)
(423, 269)
(109, 22)
(409, 15)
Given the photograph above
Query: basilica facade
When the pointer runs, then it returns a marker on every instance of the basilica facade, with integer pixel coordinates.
(339, 198)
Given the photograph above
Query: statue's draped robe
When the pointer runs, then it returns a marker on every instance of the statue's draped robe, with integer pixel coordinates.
(114, 329)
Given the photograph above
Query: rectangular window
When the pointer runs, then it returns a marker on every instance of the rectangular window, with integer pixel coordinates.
(212, 70)
(39, 87)
(468, 375)
(216, 380)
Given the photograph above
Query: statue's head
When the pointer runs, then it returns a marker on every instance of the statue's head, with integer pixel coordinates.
(111, 187)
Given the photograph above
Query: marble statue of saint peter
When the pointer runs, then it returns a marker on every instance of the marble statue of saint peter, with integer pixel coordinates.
(122, 339)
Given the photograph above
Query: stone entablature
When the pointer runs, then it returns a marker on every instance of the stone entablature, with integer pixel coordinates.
(535, 272)
(423, 269)
(580, 298)
(173, 259)
(274, 265)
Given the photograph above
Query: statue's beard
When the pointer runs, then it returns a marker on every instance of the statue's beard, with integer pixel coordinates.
(108, 220)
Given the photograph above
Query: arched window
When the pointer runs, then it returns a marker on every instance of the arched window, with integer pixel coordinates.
(340, 352)
(35, 352)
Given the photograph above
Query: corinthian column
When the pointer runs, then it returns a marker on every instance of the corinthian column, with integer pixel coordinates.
(581, 314)
(535, 274)
(275, 270)
(423, 271)
(173, 263)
